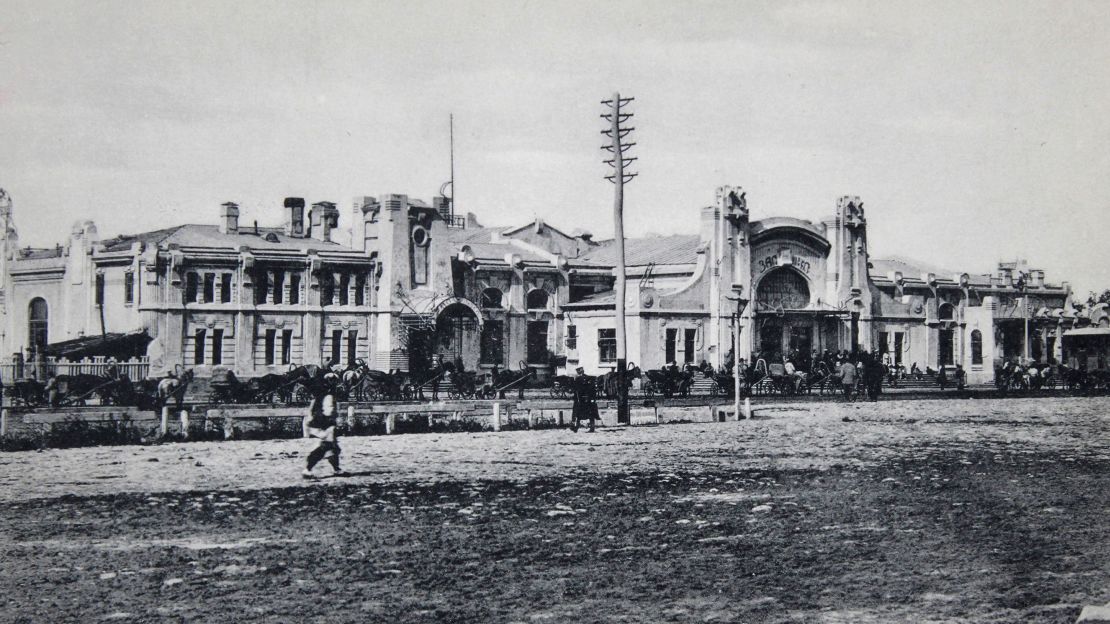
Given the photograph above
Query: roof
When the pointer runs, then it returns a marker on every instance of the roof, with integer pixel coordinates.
(119, 346)
(194, 235)
(497, 251)
(675, 249)
(606, 298)
(1088, 331)
(471, 235)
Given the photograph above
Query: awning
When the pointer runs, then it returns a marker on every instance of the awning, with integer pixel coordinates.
(1088, 331)
(118, 346)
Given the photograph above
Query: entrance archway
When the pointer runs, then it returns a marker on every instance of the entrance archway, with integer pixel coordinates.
(782, 289)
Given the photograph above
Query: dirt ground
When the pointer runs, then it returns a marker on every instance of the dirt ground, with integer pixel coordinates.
(936, 511)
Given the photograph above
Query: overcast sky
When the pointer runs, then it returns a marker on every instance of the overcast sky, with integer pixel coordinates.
(973, 131)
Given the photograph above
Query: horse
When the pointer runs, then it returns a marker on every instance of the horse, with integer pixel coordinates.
(608, 386)
(504, 379)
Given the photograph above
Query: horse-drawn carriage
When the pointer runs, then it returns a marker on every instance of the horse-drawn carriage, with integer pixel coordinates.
(668, 382)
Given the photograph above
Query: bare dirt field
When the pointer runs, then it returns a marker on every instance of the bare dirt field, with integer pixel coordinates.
(935, 511)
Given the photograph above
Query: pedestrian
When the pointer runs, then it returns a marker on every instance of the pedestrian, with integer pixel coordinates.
(874, 376)
(847, 372)
(942, 378)
(322, 423)
(585, 400)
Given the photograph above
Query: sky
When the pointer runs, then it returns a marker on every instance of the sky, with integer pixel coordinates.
(973, 131)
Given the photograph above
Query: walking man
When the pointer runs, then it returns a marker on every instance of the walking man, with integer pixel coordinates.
(847, 372)
(322, 416)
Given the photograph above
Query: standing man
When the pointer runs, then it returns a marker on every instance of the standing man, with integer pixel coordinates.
(847, 372)
(585, 400)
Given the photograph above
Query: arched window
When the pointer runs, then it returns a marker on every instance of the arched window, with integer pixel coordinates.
(491, 298)
(38, 317)
(537, 299)
(976, 347)
(947, 312)
(783, 288)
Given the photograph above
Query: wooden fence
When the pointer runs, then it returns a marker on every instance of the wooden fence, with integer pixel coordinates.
(135, 368)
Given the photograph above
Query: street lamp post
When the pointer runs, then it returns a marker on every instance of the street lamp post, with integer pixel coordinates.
(741, 304)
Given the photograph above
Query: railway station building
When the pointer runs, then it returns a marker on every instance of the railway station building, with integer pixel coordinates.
(405, 281)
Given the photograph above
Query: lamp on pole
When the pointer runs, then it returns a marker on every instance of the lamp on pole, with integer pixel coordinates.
(741, 305)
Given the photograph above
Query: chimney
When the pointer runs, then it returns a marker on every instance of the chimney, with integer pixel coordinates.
(294, 217)
(323, 218)
(229, 218)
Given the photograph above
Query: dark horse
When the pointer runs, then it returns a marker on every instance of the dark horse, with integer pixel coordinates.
(506, 379)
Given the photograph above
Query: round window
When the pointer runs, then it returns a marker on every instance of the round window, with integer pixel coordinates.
(420, 236)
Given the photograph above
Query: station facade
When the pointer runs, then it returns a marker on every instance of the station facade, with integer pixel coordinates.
(408, 281)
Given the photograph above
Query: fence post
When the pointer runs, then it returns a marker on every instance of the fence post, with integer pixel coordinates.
(495, 420)
(185, 424)
(229, 426)
(390, 423)
(5, 414)
(560, 418)
(350, 417)
(165, 425)
(531, 419)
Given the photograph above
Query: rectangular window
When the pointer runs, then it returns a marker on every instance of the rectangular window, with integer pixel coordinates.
(279, 285)
(191, 280)
(225, 288)
(129, 288)
(493, 342)
(884, 343)
(537, 342)
(344, 288)
(689, 340)
(217, 346)
(271, 338)
(572, 337)
(209, 287)
(286, 346)
(327, 289)
(295, 288)
(899, 338)
(360, 289)
(607, 345)
(261, 287)
(352, 346)
(99, 289)
(336, 345)
(670, 346)
(198, 347)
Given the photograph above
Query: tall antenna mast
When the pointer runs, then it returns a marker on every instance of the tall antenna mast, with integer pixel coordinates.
(452, 132)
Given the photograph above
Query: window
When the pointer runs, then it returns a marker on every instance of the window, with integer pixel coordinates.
(783, 289)
(286, 346)
(419, 250)
(344, 288)
(537, 299)
(976, 348)
(607, 345)
(688, 347)
(352, 346)
(572, 337)
(493, 342)
(946, 312)
(209, 287)
(37, 334)
(279, 286)
(884, 343)
(217, 346)
(671, 346)
(198, 347)
(327, 289)
(899, 340)
(336, 345)
(261, 287)
(99, 289)
(191, 287)
(360, 289)
(271, 339)
(129, 288)
(225, 288)
(491, 298)
(295, 288)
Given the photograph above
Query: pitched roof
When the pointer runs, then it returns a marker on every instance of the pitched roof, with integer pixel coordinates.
(675, 249)
(196, 235)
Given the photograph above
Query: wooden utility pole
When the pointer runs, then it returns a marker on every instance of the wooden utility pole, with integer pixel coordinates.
(616, 133)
